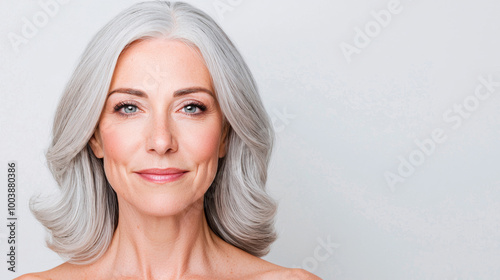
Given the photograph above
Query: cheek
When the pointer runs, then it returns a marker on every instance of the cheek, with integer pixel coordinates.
(116, 142)
(202, 147)
(204, 142)
(119, 144)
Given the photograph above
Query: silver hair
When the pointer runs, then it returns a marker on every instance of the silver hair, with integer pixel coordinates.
(82, 219)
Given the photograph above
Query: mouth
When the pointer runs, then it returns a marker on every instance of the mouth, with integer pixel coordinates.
(160, 176)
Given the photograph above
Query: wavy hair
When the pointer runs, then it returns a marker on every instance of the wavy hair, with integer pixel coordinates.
(81, 220)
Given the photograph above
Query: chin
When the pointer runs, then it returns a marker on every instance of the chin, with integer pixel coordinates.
(166, 204)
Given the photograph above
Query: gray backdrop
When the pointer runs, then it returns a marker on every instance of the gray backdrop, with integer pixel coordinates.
(387, 119)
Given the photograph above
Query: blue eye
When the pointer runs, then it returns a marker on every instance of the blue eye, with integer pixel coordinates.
(191, 109)
(126, 108)
(129, 109)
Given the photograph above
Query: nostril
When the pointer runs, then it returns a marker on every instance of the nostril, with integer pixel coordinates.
(161, 141)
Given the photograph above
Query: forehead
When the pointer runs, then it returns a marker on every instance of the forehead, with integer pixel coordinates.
(161, 62)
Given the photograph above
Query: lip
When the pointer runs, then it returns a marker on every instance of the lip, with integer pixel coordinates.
(160, 176)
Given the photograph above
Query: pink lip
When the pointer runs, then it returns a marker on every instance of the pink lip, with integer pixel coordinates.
(157, 175)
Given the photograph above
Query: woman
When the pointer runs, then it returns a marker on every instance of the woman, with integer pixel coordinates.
(160, 147)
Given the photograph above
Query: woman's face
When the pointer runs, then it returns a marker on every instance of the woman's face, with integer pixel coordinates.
(160, 133)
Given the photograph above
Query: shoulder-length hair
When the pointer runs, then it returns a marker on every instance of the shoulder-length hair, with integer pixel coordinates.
(82, 220)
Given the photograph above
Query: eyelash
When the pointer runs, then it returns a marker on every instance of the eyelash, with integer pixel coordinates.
(124, 104)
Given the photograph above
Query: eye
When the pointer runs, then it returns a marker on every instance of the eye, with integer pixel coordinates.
(125, 108)
(194, 108)
(129, 109)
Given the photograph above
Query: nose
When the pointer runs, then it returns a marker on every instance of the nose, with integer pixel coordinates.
(160, 136)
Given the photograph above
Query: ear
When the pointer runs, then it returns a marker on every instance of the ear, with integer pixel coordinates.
(224, 137)
(96, 144)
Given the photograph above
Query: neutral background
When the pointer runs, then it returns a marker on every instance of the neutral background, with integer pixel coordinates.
(343, 123)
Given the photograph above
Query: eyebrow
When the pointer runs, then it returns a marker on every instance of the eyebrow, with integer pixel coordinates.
(177, 93)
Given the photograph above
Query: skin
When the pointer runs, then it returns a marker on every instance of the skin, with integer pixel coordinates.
(162, 232)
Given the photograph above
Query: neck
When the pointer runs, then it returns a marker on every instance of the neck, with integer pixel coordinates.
(151, 247)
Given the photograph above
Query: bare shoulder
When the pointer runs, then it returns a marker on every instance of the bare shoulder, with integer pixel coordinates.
(30, 276)
(45, 275)
(290, 273)
(257, 268)
(63, 271)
